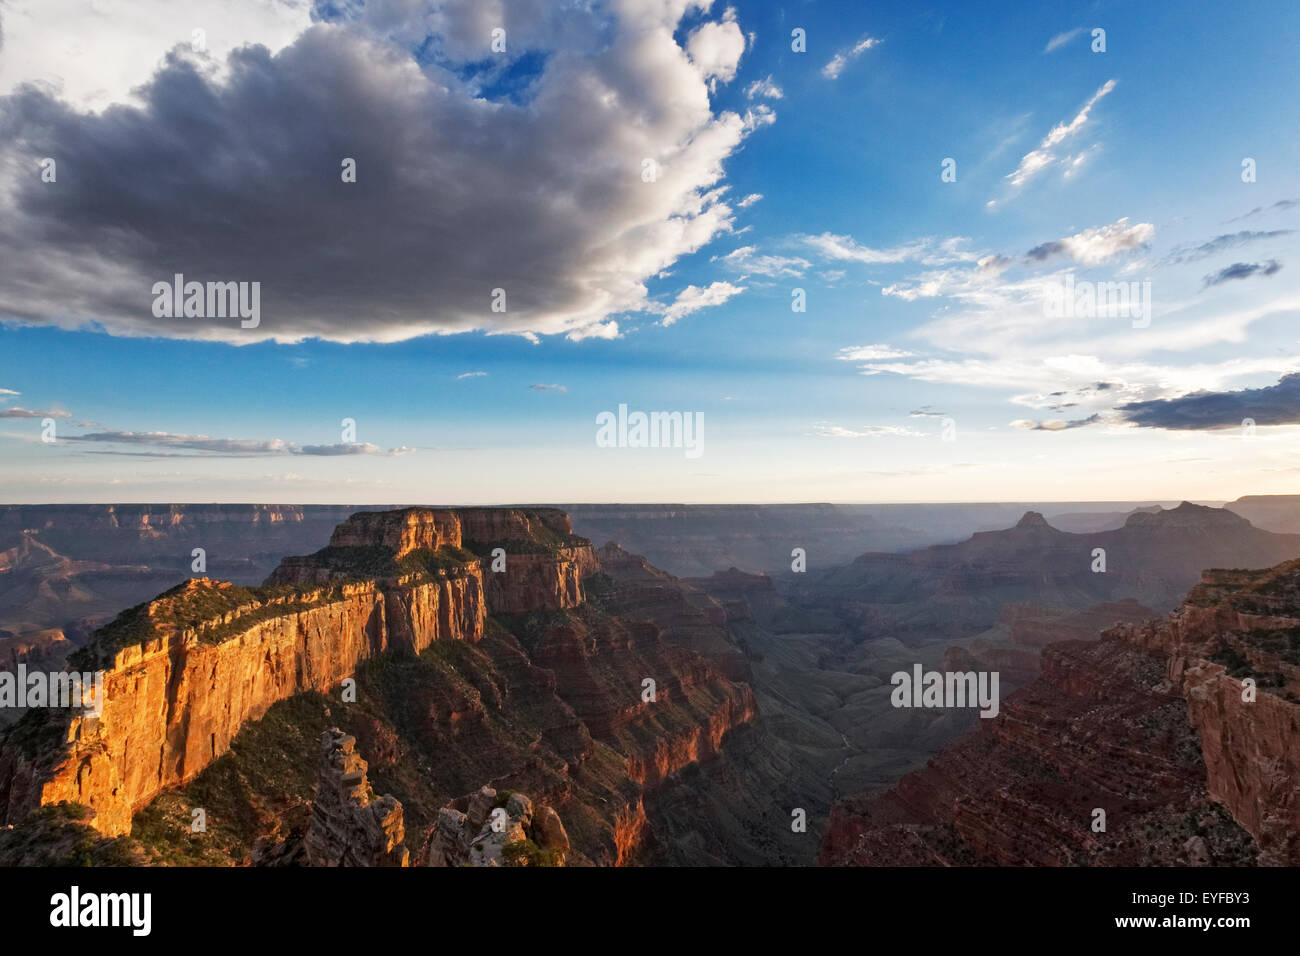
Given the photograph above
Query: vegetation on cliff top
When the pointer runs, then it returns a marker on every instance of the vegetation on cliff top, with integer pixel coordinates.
(197, 603)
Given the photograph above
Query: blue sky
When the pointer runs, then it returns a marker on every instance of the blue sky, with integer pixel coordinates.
(782, 170)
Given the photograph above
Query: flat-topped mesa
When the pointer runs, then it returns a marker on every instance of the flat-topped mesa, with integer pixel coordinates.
(414, 529)
(401, 532)
(528, 559)
(1186, 515)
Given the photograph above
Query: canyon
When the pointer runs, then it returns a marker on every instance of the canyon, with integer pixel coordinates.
(1183, 734)
(547, 685)
(668, 720)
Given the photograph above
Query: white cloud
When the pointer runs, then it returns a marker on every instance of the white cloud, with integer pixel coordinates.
(1061, 39)
(470, 375)
(839, 61)
(693, 298)
(1098, 244)
(94, 53)
(871, 353)
(746, 259)
(827, 430)
(224, 447)
(17, 412)
(765, 88)
(749, 200)
(1039, 159)
(715, 50)
(441, 221)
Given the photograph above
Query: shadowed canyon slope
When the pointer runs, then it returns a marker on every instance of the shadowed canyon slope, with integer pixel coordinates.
(1152, 725)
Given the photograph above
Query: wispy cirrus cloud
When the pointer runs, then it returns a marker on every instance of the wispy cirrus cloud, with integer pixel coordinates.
(17, 412)
(828, 430)
(1061, 39)
(765, 88)
(1054, 425)
(1280, 206)
(871, 353)
(1191, 252)
(693, 298)
(747, 259)
(928, 250)
(1035, 161)
(842, 59)
(225, 447)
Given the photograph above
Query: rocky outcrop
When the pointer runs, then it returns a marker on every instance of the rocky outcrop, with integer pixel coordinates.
(527, 559)
(491, 829)
(399, 531)
(349, 825)
(1239, 626)
(1186, 732)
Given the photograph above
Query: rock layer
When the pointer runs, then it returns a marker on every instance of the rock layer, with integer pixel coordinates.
(485, 830)
(349, 826)
(1155, 724)
(175, 698)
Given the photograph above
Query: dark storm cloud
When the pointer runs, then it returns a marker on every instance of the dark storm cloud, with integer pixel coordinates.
(238, 179)
(1243, 270)
(1271, 405)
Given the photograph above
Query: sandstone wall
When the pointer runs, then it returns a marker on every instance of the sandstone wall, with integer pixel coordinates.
(1251, 748)
(174, 703)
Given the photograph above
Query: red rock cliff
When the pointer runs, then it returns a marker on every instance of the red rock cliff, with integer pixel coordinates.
(1152, 724)
(176, 696)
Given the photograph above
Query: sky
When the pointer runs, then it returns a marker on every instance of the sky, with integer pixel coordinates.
(864, 248)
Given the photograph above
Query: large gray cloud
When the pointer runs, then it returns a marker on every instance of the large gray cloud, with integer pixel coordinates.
(1271, 405)
(237, 178)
